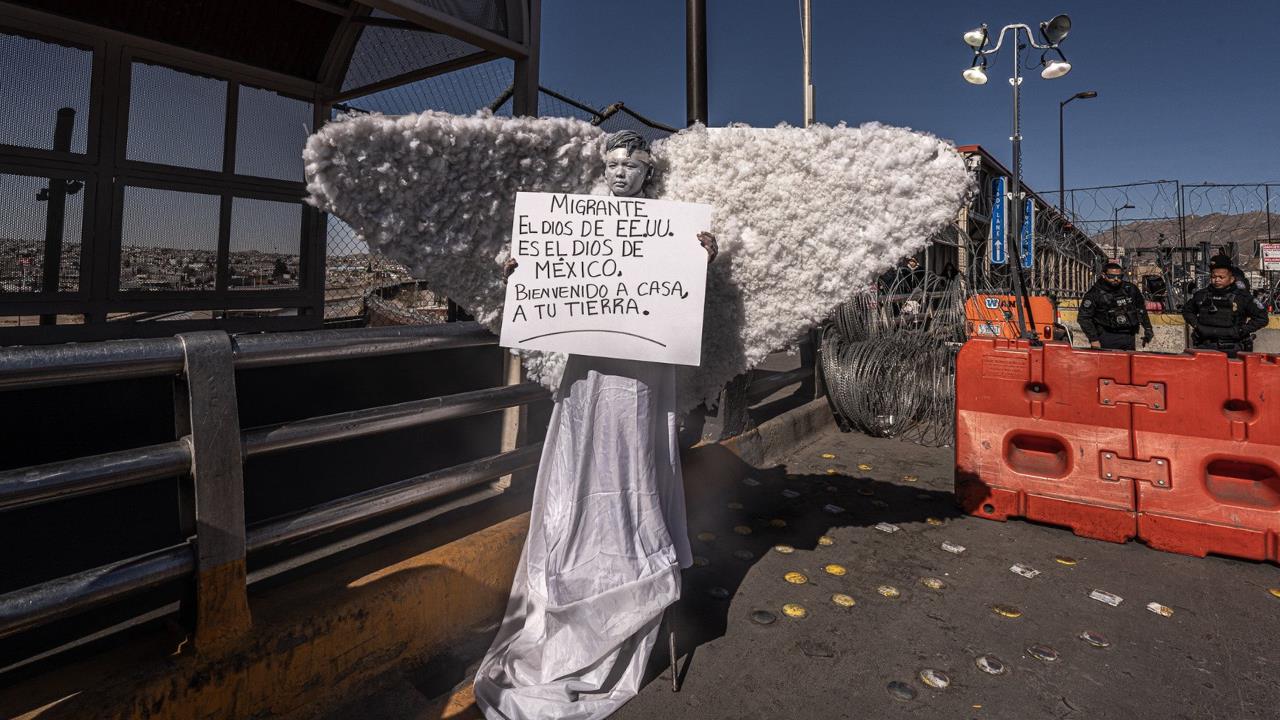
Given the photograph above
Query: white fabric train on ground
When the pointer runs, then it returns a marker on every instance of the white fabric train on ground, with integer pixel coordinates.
(607, 539)
(803, 216)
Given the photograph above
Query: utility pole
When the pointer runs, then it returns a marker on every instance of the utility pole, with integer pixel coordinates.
(695, 61)
(806, 30)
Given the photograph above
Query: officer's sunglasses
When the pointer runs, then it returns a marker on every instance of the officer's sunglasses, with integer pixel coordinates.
(1113, 276)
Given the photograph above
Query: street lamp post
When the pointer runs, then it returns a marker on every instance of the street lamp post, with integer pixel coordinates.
(1062, 192)
(806, 30)
(1115, 229)
(1053, 32)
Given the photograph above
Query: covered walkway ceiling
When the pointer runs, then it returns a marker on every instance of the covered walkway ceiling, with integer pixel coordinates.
(328, 50)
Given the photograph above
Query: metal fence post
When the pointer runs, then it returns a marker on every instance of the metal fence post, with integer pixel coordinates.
(810, 350)
(515, 420)
(731, 417)
(221, 606)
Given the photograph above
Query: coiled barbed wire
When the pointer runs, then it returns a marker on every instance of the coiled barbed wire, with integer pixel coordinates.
(889, 359)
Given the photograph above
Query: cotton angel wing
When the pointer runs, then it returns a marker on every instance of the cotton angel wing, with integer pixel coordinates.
(804, 218)
(436, 192)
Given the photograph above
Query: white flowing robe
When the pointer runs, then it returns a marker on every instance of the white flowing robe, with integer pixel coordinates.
(607, 539)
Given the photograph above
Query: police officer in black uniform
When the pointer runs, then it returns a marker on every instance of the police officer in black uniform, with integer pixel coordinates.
(1113, 310)
(1223, 316)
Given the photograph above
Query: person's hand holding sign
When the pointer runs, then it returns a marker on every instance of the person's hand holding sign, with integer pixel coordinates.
(708, 242)
(509, 267)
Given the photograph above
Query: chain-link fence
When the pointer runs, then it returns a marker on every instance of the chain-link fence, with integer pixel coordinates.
(1234, 220)
(1164, 232)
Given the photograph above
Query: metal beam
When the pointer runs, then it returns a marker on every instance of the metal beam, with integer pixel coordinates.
(388, 418)
(39, 484)
(163, 52)
(71, 364)
(269, 350)
(448, 66)
(40, 604)
(524, 101)
(764, 387)
(390, 498)
(33, 367)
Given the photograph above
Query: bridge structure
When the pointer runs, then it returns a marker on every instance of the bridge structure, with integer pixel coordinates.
(221, 502)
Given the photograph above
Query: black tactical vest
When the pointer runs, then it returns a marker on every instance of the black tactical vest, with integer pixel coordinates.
(1220, 311)
(1119, 311)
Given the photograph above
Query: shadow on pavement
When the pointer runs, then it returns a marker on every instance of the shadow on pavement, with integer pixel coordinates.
(738, 513)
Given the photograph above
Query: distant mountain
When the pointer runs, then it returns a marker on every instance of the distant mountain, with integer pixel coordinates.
(1244, 229)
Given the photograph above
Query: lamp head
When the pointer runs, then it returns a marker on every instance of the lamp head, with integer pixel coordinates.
(977, 73)
(1086, 95)
(1055, 30)
(976, 38)
(1055, 69)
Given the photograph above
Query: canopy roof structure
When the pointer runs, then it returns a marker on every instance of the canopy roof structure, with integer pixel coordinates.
(327, 49)
(151, 179)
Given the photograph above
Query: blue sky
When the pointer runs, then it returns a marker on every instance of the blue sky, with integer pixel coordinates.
(1187, 90)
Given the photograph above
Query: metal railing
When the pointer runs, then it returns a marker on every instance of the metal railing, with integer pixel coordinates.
(732, 417)
(213, 449)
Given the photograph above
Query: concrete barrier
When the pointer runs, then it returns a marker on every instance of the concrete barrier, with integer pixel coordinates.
(778, 437)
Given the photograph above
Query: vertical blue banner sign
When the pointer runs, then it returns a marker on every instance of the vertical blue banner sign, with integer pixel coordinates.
(1027, 244)
(999, 234)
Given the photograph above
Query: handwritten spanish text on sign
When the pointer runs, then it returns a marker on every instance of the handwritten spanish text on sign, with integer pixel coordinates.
(607, 276)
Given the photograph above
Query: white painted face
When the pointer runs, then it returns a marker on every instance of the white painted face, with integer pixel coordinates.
(625, 173)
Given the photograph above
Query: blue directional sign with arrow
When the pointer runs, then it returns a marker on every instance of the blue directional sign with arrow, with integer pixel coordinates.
(998, 236)
(1027, 241)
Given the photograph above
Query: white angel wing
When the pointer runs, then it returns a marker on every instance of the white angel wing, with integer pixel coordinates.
(436, 192)
(804, 218)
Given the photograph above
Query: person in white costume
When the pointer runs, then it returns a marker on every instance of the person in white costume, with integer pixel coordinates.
(607, 533)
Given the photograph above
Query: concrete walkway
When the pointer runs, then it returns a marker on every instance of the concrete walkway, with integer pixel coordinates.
(1216, 656)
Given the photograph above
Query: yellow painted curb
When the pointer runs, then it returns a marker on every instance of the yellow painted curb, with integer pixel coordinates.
(314, 642)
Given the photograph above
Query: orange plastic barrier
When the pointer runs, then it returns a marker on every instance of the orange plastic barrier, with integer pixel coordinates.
(1181, 451)
(1032, 435)
(996, 316)
(1207, 471)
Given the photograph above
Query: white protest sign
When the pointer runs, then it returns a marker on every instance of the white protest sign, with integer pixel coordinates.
(607, 276)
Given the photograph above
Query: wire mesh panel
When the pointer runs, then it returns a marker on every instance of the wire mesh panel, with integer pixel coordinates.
(487, 14)
(271, 130)
(348, 271)
(39, 79)
(1127, 217)
(1237, 217)
(462, 91)
(1138, 225)
(386, 52)
(549, 105)
(24, 228)
(624, 119)
(176, 118)
(266, 239)
(168, 240)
